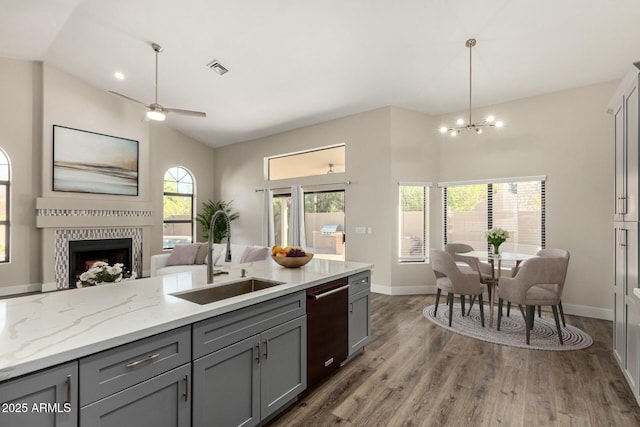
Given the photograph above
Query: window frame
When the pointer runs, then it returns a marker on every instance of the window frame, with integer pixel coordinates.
(191, 196)
(7, 217)
(424, 258)
(490, 218)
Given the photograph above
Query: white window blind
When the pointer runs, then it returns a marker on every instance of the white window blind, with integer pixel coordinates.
(413, 222)
(517, 206)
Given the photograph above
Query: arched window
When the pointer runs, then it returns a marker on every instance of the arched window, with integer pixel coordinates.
(5, 181)
(178, 208)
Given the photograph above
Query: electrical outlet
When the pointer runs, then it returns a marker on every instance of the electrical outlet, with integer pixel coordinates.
(369, 230)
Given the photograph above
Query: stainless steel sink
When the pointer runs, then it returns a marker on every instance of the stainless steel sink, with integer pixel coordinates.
(228, 290)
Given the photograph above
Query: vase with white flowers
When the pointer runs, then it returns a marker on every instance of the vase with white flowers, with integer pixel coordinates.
(496, 236)
(102, 273)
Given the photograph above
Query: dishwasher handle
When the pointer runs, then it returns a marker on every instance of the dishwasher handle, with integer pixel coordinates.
(326, 294)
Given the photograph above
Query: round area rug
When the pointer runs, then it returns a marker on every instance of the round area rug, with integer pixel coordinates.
(544, 335)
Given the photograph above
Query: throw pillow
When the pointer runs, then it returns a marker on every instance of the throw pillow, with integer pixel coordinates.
(252, 254)
(202, 254)
(183, 254)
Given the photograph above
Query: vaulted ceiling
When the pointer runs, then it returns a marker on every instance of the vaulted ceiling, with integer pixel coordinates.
(298, 62)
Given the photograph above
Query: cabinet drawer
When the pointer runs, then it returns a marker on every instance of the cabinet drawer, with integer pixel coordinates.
(114, 370)
(359, 282)
(213, 334)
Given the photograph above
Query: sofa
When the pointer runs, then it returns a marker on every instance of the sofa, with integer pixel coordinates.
(192, 257)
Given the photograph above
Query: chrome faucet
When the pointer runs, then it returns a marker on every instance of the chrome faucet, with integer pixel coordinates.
(227, 257)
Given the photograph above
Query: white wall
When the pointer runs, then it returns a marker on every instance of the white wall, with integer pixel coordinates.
(568, 137)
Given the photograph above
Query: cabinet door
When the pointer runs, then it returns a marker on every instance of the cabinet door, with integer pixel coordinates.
(632, 366)
(162, 401)
(226, 386)
(283, 373)
(619, 291)
(48, 398)
(359, 325)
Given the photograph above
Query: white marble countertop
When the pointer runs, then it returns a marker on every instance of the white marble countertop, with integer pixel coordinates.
(39, 331)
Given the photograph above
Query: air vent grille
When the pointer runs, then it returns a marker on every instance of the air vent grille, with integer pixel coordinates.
(216, 66)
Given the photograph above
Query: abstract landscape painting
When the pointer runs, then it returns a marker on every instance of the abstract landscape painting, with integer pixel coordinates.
(88, 162)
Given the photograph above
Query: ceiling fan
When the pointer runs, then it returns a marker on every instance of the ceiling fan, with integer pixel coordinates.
(157, 111)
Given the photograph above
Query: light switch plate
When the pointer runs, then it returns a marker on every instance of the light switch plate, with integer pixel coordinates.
(361, 230)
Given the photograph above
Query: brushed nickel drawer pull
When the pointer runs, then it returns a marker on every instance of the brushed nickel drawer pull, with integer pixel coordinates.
(186, 388)
(257, 347)
(266, 349)
(326, 294)
(149, 358)
(68, 388)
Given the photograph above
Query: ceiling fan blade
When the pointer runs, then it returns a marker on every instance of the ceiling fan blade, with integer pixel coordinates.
(185, 112)
(130, 99)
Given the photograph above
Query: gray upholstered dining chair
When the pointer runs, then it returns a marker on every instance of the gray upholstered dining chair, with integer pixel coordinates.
(538, 282)
(560, 253)
(450, 279)
(486, 272)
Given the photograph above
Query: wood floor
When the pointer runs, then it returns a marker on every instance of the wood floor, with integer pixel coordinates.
(414, 373)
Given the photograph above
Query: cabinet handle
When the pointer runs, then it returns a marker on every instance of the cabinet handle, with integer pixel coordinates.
(68, 389)
(143, 360)
(266, 349)
(326, 294)
(258, 352)
(623, 204)
(186, 388)
(350, 307)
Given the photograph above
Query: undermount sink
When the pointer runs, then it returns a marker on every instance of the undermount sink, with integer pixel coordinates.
(228, 290)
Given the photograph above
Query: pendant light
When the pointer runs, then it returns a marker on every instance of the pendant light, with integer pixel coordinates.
(476, 127)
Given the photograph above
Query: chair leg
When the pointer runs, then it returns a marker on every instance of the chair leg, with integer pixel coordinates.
(489, 287)
(481, 309)
(508, 308)
(555, 316)
(528, 309)
(450, 298)
(500, 302)
(473, 300)
(562, 314)
(539, 311)
(532, 317)
(438, 293)
(462, 304)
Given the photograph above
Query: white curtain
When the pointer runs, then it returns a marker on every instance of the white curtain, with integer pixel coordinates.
(268, 234)
(296, 218)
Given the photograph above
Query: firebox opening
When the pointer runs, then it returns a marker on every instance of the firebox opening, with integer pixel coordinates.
(83, 253)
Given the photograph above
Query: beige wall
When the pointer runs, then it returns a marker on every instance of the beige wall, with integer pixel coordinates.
(20, 116)
(239, 169)
(36, 96)
(566, 136)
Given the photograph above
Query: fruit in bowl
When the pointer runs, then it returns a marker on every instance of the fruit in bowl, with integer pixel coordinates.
(290, 257)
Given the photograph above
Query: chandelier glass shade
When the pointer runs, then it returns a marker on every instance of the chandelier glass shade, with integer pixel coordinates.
(470, 125)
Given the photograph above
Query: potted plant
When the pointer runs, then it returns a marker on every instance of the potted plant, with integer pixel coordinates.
(220, 228)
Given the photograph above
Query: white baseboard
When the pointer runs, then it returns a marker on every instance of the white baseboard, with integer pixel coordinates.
(48, 287)
(20, 289)
(573, 309)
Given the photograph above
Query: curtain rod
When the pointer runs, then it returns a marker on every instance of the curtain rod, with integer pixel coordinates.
(305, 186)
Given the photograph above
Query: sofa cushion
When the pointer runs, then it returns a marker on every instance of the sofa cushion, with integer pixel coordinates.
(179, 269)
(254, 253)
(201, 256)
(183, 254)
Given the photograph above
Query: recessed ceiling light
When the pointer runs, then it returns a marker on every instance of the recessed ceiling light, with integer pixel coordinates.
(118, 75)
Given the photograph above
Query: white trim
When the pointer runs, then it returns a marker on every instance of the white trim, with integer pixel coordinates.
(310, 150)
(20, 289)
(48, 287)
(493, 181)
(415, 183)
(586, 311)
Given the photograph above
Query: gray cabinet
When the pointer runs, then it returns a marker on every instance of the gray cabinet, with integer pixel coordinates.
(44, 399)
(143, 383)
(359, 311)
(162, 401)
(258, 364)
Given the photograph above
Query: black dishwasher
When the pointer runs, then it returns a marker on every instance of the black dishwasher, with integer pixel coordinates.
(327, 328)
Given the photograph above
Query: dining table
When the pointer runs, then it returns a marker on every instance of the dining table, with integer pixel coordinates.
(496, 270)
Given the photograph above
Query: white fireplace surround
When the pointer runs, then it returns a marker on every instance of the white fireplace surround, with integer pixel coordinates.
(63, 237)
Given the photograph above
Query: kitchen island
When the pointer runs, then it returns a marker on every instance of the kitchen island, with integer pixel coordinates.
(51, 329)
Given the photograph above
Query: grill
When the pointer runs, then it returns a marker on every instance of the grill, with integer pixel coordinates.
(329, 230)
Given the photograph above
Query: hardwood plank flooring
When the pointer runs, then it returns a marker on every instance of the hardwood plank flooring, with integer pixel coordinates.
(414, 373)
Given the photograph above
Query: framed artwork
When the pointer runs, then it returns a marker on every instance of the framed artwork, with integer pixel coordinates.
(89, 162)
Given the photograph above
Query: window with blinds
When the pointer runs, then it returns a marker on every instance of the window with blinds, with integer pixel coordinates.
(413, 222)
(516, 205)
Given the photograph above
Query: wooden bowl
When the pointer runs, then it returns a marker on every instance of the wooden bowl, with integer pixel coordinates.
(294, 261)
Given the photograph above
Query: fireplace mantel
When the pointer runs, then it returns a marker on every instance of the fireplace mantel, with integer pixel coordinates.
(61, 212)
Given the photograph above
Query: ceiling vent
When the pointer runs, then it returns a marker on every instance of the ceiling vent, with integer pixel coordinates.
(216, 66)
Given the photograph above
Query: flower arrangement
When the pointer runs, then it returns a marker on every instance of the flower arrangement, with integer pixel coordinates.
(496, 236)
(101, 273)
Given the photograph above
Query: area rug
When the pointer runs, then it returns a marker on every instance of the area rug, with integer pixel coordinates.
(544, 335)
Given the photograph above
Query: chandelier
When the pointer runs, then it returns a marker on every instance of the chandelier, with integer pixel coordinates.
(477, 127)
